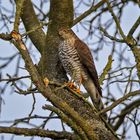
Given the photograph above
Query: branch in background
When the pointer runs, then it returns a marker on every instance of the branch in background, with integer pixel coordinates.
(136, 124)
(19, 8)
(19, 90)
(8, 37)
(127, 110)
(104, 10)
(134, 27)
(129, 40)
(10, 79)
(123, 81)
(111, 37)
(117, 102)
(66, 119)
(8, 60)
(38, 132)
(50, 116)
(116, 20)
(106, 70)
(33, 105)
(36, 28)
(26, 120)
(88, 12)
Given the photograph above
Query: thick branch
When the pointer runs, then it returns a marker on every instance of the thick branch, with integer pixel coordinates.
(38, 132)
(69, 121)
(47, 93)
(30, 22)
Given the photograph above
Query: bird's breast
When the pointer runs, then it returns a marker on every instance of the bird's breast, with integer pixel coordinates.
(70, 60)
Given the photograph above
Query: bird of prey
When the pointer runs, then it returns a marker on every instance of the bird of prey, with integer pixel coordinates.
(77, 61)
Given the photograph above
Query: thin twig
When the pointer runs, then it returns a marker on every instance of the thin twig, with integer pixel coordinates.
(111, 37)
(88, 12)
(106, 69)
(117, 102)
(134, 27)
(36, 28)
(116, 20)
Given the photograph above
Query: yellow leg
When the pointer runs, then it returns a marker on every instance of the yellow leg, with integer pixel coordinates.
(71, 84)
(78, 90)
(80, 82)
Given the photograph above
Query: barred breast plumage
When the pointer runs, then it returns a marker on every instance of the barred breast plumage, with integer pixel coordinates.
(71, 61)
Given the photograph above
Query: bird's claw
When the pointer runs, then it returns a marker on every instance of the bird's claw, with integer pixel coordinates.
(70, 85)
(78, 90)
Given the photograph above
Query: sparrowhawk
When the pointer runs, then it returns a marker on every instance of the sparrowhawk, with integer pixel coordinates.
(77, 61)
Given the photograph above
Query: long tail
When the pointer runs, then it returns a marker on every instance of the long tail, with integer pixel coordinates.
(94, 95)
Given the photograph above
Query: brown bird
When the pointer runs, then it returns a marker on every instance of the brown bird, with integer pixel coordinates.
(77, 61)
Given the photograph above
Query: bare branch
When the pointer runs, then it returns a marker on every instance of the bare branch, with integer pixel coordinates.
(134, 27)
(88, 12)
(127, 110)
(38, 132)
(19, 6)
(5, 37)
(111, 37)
(36, 28)
(136, 124)
(10, 79)
(106, 69)
(117, 102)
(69, 121)
(116, 20)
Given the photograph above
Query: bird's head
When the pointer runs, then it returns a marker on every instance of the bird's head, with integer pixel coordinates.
(65, 33)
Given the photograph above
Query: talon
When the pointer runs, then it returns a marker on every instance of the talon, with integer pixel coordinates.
(70, 85)
(78, 90)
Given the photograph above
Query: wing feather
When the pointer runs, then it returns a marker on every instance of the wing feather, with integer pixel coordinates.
(87, 61)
